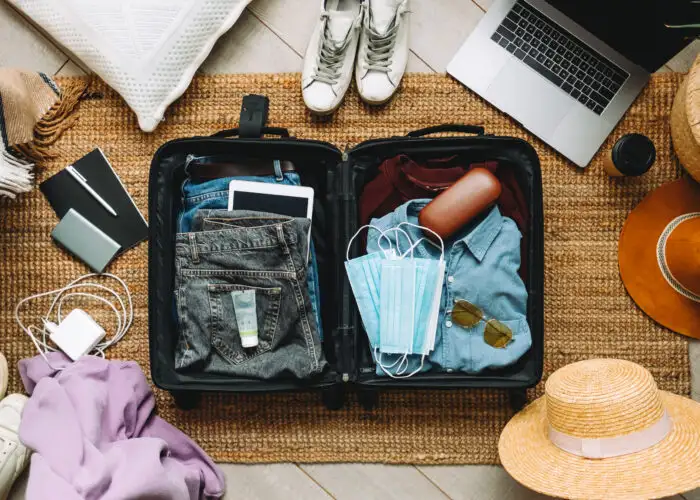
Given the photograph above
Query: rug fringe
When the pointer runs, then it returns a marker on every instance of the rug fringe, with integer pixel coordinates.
(59, 118)
(15, 175)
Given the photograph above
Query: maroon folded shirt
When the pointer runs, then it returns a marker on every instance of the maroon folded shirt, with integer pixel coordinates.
(401, 179)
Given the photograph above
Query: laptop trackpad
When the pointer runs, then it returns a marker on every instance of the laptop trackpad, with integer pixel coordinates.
(529, 98)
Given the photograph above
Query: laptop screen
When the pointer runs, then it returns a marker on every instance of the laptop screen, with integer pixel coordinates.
(635, 28)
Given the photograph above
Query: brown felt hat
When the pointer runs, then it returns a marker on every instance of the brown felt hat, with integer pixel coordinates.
(603, 430)
(659, 256)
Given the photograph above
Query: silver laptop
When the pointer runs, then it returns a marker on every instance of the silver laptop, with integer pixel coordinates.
(566, 70)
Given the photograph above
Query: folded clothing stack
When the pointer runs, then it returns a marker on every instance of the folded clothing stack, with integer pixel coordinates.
(202, 193)
(219, 252)
(483, 266)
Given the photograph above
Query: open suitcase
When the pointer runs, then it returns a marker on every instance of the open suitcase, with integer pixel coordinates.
(338, 178)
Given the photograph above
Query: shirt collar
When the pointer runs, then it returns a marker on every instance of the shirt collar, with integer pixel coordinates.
(408, 212)
(479, 239)
(477, 236)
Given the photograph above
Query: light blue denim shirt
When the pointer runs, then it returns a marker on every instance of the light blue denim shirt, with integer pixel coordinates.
(481, 266)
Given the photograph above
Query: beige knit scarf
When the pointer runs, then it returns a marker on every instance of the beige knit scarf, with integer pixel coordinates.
(33, 114)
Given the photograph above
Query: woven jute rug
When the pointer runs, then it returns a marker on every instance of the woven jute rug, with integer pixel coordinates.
(587, 312)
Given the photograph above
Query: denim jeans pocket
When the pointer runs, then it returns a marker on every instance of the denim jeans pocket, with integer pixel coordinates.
(189, 348)
(224, 327)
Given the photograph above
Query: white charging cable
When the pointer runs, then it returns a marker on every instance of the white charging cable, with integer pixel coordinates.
(123, 310)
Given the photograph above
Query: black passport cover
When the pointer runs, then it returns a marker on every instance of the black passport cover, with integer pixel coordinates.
(63, 193)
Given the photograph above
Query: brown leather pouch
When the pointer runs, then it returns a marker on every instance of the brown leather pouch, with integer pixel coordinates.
(455, 207)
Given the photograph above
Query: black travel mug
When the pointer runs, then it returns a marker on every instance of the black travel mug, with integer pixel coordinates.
(632, 155)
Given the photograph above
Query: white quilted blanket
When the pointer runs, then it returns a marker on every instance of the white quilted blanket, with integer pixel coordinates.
(147, 50)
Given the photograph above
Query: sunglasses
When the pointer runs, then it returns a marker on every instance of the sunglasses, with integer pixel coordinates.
(466, 314)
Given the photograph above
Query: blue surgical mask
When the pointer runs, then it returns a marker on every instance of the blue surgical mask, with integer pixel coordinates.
(397, 311)
(364, 276)
(430, 278)
(410, 292)
(428, 302)
(398, 297)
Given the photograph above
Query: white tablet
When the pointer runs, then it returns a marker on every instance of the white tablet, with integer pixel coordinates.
(293, 201)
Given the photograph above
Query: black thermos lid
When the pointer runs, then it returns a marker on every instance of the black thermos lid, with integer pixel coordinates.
(633, 154)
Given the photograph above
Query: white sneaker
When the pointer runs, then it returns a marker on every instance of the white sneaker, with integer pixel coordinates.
(14, 456)
(330, 55)
(4, 375)
(383, 52)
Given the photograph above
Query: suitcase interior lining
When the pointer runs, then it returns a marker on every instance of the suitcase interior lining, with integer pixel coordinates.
(313, 173)
(366, 168)
(318, 165)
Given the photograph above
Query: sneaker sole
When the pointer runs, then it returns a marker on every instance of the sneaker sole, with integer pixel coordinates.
(377, 103)
(324, 113)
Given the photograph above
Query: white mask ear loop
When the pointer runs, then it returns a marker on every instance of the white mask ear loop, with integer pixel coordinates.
(366, 226)
(413, 247)
(377, 354)
(378, 357)
(442, 243)
(403, 366)
(398, 242)
(382, 235)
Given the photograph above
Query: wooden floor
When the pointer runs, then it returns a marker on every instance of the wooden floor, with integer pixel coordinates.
(271, 36)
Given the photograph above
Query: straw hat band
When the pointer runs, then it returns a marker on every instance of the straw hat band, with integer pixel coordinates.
(663, 262)
(612, 446)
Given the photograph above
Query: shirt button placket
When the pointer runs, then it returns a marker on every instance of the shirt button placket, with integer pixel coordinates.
(453, 259)
(447, 337)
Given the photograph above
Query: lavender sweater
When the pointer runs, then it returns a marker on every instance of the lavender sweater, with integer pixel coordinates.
(95, 434)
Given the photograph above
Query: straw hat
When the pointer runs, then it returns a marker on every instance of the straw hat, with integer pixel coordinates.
(659, 256)
(685, 122)
(604, 430)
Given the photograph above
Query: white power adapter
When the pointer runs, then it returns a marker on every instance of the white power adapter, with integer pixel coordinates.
(76, 335)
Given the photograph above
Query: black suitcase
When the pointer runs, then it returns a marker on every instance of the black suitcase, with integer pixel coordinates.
(338, 178)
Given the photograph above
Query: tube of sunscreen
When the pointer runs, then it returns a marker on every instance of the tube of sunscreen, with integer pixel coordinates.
(246, 317)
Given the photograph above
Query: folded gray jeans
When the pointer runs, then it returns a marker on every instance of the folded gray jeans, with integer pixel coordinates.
(239, 250)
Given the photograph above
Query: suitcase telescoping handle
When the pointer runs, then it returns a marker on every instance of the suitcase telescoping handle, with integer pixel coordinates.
(465, 129)
(233, 132)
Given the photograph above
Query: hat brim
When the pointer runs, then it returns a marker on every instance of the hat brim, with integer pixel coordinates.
(670, 467)
(639, 268)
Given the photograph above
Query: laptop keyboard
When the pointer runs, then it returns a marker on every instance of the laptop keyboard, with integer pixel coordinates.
(560, 57)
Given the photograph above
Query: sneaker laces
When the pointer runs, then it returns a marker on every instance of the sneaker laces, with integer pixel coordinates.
(331, 55)
(380, 45)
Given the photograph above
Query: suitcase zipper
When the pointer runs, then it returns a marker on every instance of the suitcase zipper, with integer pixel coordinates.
(348, 331)
(189, 159)
(205, 159)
